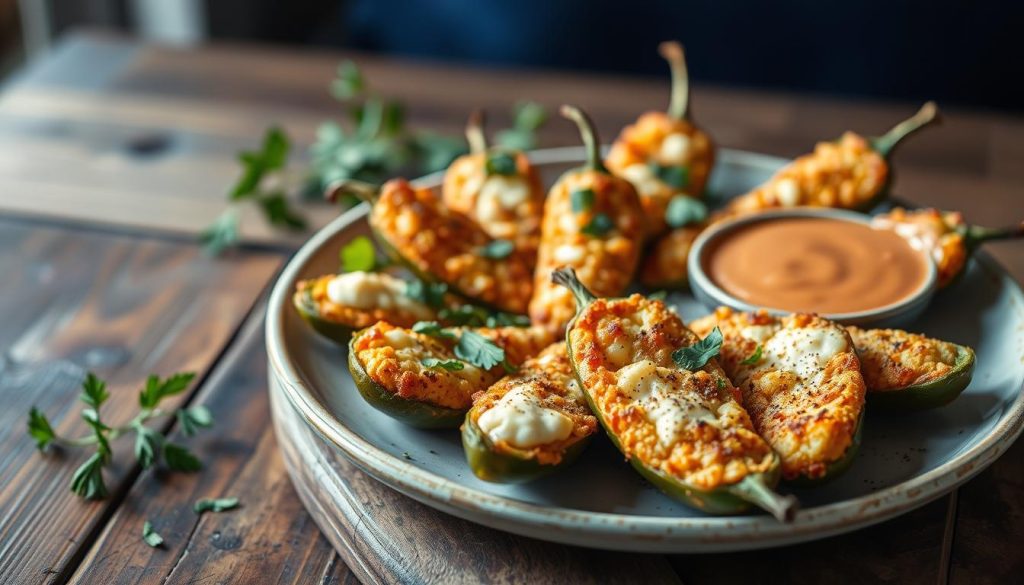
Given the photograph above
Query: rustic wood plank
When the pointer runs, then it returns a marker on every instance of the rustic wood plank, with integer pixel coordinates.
(123, 307)
(987, 545)
(906, 550)
(269, 538)
(386, 537)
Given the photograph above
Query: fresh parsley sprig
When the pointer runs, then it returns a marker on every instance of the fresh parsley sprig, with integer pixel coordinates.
(150, 445)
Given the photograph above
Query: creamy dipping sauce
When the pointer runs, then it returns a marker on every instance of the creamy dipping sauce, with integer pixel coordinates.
(814, 264)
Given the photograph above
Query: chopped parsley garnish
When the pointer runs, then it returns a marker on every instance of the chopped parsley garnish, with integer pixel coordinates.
(754, 357)
(358, 255)
(683, 211)
(696, 356)
(600, 225)
(720, 383)
(433, 329)
(479, 351)
(500, 163)
(150, 536)
(430, 294)
(497, 249)
(677, 177)
(474, 316)
(582, 200)
(450, 365)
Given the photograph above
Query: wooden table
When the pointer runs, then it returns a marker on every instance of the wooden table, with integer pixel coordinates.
(102, 273)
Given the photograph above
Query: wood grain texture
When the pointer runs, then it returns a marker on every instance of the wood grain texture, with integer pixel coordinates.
(268, 539)
(123, 307)
(386, 537)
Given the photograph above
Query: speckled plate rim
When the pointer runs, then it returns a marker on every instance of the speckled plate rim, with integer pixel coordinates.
(618, 531)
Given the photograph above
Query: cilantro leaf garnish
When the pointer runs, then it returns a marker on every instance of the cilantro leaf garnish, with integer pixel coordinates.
(430, 294)
(674, 176)
(497, 249)
(148, 446)
(500, 163)
(191, 419)
(94, 391)
(359, 255)
(215, 505)
(150, 536)
(450, 365)
(479, 351)
(582, 199)
(528, 118)
(754, 357)
(87, 481)
(684, 211)
(39, 429)
(157, 389)
(179, 458)
(599, 225)
(433, 329)
(696, 356)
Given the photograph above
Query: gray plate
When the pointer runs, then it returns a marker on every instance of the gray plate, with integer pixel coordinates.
(904, 462)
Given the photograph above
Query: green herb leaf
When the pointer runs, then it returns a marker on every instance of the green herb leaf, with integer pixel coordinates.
(99, 430)
(500, 163)
(507, 320)
(528, 117)
(479, 351)
(221, 234)
(150, 536)
(696, 356)
(277, 211)
(39, 429)
(148, 445)
(179, 458)
(194, 418)
(720, 383)
(430, 294)
(359, 255)
(87, 481)
(464, 315)
(94, 391)
(433, 329)
(450, 365)
(582, 200)
(497, 249)
(349, 82)
(435, 151)
(754, 357)
(218, 505)
(157, 389)
(599, 225)
(683, 211)
(677, 177)
(272, 156)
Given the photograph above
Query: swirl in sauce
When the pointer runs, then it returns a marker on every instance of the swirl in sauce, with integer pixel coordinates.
(817, 265)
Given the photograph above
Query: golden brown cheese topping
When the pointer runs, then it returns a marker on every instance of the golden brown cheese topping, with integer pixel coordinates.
(601, 241)
(449, 246)
(815, 265)
(688, 425)
(360, 299)
(934, 232)
(393, 358)
(892, 359)
(539, 409)
(506, 206)
(801, 383)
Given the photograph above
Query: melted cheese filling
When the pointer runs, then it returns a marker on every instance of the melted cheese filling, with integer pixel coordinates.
(642, 177)
(500, 194)
(804, 351)
(373, 290)
(669, 409)
(675, 149)
(519, 420)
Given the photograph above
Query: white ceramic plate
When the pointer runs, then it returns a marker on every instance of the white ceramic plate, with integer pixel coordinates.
(600, 501)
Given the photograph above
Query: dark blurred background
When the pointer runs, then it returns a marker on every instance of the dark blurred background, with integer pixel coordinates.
(963, 53)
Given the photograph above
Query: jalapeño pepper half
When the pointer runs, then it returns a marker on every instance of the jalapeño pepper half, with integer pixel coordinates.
(682, 429)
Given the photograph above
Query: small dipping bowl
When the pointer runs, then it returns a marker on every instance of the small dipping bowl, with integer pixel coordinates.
(707, 291)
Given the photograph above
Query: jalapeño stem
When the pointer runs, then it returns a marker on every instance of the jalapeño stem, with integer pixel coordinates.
(364, 191)
(975, 235)
(589, 135)
(566, 277)
(753, 489)
(886, 143)
(679, 102)
(475, 133)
